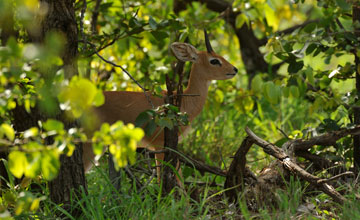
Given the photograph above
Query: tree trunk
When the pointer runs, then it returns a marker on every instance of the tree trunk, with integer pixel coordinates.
(60, 18)
(115, 176)
(171, 135)
(70, 182)
(7, 30)
(356, 18)
(169, 177)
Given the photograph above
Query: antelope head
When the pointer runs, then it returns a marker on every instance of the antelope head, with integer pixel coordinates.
(207, 64)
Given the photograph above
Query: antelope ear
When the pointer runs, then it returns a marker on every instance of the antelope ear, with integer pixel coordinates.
(184, 52)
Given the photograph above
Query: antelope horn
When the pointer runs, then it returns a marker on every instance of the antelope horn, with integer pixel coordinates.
(207, 42)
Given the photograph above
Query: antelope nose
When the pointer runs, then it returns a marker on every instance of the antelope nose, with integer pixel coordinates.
(235, 69)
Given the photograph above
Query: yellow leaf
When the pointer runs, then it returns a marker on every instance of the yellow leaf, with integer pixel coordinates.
(8, 131)
(17, 163)
(271, 17)
(35, 205)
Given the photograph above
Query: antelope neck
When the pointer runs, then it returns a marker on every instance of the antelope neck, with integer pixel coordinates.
(197, 86)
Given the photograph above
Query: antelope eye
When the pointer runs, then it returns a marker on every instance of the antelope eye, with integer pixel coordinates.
(215, 62)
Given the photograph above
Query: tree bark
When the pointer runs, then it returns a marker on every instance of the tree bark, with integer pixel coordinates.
(114, 175)
(356, 138)
(60, 18)
(7, 30)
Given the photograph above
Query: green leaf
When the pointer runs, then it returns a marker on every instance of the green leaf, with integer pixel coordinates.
(17, 163)
(310, 49)
(98, 148)
(27, 105)
(343, 5)
(53, 125)
(105, 6)
(150, 128)
(70, 149)
(99, 98)
(294, 91)
(8, 131)
(219, 96)
(159, 35)
(286, 92)
(310, 76)
(257, 83)
(50, 164)
(295, 67)
(35, 204)
(271, 17)
(152, 23)
(173, 108)
(34, 164)
(142, 118)
(80, 94)
(317, 51)
(272, 92)
(165, 122)
(310, 27)
(240, 20)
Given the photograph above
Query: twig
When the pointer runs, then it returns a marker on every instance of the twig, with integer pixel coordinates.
(291, 166)
(212, 184)
(197, 164)
(82, 14)
(328, 139)
(339, 23)
(347, 173)
(202, 167)
(134, 178)
(117, 37)
(149, 180)
(283, 133)
(127, 73)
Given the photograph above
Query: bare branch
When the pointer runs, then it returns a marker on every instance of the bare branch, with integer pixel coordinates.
(138, 184)
(237, 171)
(327, 139)
(291, 166)
(202, 167)
(197, 164)
(347, 173)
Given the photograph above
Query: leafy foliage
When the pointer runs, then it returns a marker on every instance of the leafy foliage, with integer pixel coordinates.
(311, 92)
(121, 139)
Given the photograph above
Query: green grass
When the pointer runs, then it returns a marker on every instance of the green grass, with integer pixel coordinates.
(201, 202)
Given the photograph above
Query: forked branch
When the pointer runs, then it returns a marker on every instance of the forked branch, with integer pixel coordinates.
(291, 166)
